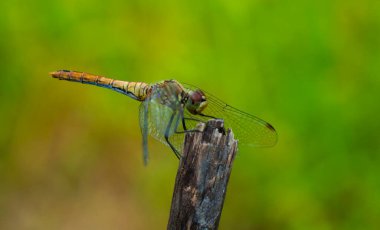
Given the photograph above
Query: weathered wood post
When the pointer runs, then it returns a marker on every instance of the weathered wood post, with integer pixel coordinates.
(202, 178)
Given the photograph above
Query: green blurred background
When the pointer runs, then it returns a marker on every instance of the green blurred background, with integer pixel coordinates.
(70, 154)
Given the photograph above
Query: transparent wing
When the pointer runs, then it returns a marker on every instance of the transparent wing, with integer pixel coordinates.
(158, 118)
(143, 115)
(248, 129)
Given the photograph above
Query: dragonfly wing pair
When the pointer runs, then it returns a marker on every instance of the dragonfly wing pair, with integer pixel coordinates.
(164, 121)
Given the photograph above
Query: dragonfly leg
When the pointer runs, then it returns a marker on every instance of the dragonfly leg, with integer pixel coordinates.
(190, 119)
(177, 154)
(185, 130)
(183, 122)
(188, 131)
(204, 115)
(193, 119)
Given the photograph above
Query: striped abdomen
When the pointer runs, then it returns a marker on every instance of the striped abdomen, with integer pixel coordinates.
(135, 90)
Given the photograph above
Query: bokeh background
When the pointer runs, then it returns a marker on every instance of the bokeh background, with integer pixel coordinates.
(70, 154)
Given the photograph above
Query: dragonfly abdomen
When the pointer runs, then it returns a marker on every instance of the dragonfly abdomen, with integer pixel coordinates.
(135, 90)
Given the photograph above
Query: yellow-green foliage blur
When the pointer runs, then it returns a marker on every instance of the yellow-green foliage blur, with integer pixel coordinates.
(71, 155)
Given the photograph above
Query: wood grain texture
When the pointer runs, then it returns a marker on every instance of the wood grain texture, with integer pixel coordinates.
(202, 178)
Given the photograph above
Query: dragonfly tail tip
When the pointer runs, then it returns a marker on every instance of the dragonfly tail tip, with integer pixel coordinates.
(54, 74)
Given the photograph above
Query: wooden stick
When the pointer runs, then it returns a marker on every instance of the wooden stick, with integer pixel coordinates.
(202, 178)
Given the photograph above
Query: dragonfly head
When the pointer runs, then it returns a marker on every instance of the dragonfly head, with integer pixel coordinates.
(197, 102)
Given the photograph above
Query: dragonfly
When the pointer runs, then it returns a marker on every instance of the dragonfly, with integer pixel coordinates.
(169, 109)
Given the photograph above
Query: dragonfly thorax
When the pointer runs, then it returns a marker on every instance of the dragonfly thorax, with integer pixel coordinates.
(196, 102)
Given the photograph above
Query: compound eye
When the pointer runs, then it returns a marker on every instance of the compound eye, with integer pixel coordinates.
(197, 97)
(197, 102)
